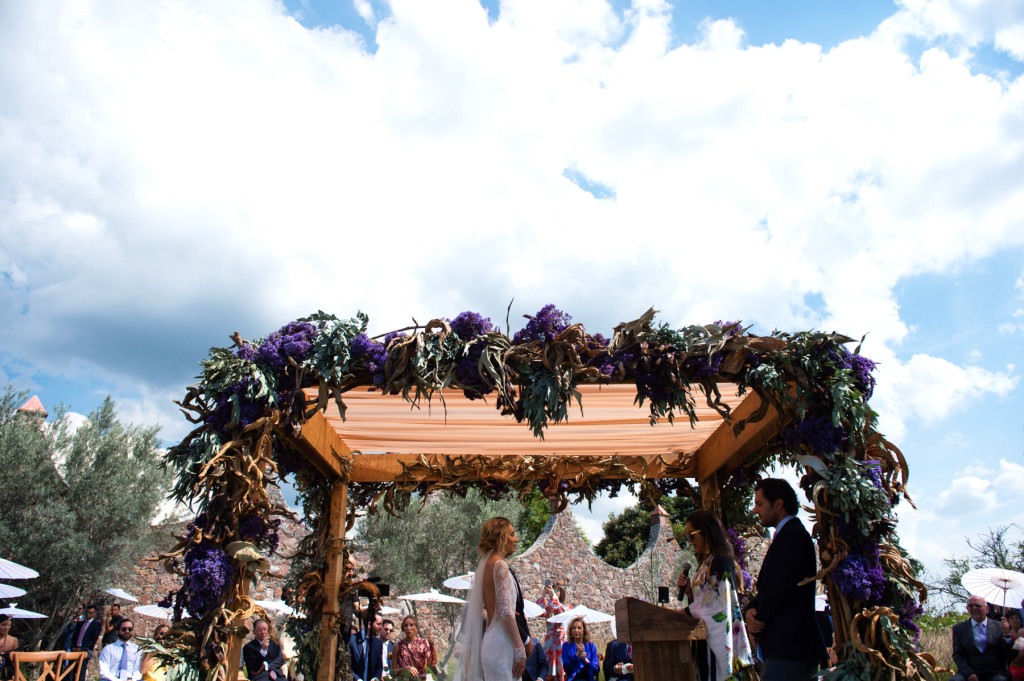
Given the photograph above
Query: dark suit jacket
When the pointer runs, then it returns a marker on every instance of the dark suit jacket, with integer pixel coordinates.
(967, 656)
(355, 651)
(791, 629)
(254, 660)
(536, 664)
(92, 634)
(521, 624)
(615, 653)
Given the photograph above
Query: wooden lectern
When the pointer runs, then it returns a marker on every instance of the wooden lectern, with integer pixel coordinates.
(660, 638)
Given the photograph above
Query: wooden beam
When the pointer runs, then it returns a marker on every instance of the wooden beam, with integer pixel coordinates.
(389, 467)
(234, 652)
(321, 446)
(332, 582)
(724, 451)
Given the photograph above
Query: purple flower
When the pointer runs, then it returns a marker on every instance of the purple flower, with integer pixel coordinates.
(236, 395)
(254, 528)
(468, 325)
(210, 574)
(247, 352)
(544, 326)
(874, 471)
(860, 578)
(862, 367)
(731, 328)
(291, 340)
(818, 433)
(910, 612)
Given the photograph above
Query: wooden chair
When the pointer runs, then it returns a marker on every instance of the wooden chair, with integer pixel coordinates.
(50, 662)
(70, 665)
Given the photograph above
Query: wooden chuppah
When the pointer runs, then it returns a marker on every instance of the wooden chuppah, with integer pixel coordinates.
(382, 440)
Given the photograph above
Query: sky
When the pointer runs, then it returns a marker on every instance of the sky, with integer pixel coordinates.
(173, 172)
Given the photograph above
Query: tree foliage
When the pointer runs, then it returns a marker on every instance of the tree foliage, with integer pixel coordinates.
(990, 550)
(626, 534)
(433, 539)
(76, 503)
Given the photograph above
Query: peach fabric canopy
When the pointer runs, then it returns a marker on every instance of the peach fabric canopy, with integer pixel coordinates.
(383, 432)
(610, 424)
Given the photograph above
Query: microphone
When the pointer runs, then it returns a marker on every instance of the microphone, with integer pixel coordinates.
(686, 573)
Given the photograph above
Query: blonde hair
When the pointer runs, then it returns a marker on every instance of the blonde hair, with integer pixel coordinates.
(494, 534)
(416, 624)
(586, 631)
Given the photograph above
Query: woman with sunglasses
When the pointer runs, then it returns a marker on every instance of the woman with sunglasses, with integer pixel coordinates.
(714, 597)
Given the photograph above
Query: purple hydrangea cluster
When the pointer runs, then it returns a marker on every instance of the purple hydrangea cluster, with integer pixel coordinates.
(731, 328)
(911, 611)
(860, 578)
(874, 471)
(372, 354)
(292, 340)
(209, 574)
(818, 433)
(543, 326)
(704, 365)
(223, 413)
(247, 352)
(859, 366)
(739, 549)
(254, 528)
(468, 325)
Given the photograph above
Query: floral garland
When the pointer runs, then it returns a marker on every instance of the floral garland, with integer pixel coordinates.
(250, 401)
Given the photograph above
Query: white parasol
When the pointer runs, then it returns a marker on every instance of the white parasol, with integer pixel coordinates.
(460, 582)
(432, 596)
(121, 593)
(995, 585)
(7, 591)
(11, 570)
(18, 613)
(531, 609)
(155, 611)
(820, 602)
(388, 610)
(281, 607)
(589, 616)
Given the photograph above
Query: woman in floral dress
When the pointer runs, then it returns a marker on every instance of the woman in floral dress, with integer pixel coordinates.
(553, 604)
(714, 598)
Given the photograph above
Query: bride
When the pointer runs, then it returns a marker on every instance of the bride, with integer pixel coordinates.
(496, 654)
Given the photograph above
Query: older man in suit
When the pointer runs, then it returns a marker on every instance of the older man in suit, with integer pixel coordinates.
(263, 657)
(781, 615)
(981, 647)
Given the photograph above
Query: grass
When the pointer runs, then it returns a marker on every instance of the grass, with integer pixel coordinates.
(939, 642)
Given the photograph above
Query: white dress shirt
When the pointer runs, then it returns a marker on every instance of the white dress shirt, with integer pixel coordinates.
(110, 661)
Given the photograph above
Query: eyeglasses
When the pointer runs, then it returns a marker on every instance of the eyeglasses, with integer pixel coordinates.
(972, 606)
(125, 631)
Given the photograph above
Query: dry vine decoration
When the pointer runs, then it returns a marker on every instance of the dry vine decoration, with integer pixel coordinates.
(250, 402)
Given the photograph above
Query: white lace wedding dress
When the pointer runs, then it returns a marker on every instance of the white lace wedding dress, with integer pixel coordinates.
(490, 657)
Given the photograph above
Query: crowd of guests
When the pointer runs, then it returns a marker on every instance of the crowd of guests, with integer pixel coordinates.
(378, 657)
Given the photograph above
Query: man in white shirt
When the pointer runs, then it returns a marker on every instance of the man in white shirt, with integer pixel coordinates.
(121, 660)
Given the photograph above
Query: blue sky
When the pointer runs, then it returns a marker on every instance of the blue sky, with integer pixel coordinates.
(172, 173)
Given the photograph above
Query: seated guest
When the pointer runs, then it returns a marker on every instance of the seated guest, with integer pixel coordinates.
(8, 644)
(981, 647)
(121, 659)
(263, 657)
(618, 661)
(579, 654)
(1017, 634)
(536, 663)
(413, 654)
(152, 668)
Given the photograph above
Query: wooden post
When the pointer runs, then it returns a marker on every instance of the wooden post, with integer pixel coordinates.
(711, 494)
(234, 651)
(332, 582)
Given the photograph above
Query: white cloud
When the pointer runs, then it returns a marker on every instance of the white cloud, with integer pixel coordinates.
(1007, 329)
(967, 495)
(930, 388)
